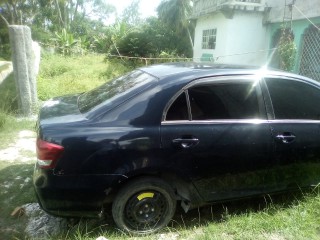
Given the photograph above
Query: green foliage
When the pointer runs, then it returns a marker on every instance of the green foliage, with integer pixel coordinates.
(77, 27)
(65, 43)
(175, 14)
(39, 34)
(117, 33)
(5, 51)
(130, 36)
(136, 44)
(131, 14)
(287, 50)
(101, 43)
(47, 17)
(116, 67)
(149, 40)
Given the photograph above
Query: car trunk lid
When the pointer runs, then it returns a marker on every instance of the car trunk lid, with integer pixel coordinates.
(61, 110)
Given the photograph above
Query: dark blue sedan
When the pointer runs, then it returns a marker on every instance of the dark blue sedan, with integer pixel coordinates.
(182, 133)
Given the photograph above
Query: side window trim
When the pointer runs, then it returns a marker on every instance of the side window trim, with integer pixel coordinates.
(262, 107)
(267, 100)
(186, 92)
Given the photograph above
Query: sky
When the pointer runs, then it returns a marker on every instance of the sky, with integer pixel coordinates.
(147, 7)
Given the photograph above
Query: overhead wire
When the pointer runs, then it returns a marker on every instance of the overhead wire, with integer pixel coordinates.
(306, 17)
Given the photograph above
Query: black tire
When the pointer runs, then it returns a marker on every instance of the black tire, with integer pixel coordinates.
(144, 205)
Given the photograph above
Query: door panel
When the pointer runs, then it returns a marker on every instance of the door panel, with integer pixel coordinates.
(297, 159)
(222, 145)
(296, 132)
(229, 160)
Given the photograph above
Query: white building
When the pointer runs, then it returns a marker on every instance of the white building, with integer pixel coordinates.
(245, 31)
(230, 31)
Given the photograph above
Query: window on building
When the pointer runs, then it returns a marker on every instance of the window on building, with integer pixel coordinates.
(209, 38)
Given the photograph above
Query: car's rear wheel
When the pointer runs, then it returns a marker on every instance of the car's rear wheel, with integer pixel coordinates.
(143, 206)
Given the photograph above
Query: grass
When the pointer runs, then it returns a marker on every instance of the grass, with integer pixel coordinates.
(298, 220)
(282, 217)
(294, 215)
(66, 75)
(8, 100)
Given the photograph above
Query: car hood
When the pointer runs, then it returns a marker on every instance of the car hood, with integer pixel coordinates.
(61, 110)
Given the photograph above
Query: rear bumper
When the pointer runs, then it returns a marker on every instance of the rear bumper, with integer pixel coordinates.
(73, 196)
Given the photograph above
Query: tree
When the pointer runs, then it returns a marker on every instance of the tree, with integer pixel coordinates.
(18, 11)
(131, 14)
(175, 14)
(77, 18)
(151, 39)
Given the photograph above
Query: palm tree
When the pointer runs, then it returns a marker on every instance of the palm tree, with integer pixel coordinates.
(176, 13)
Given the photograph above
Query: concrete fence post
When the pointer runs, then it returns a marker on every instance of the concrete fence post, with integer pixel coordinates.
(23, 68)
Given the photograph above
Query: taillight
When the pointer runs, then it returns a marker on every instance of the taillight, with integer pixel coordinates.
(48, 154)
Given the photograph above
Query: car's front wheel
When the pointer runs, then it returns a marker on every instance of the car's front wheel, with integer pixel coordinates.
(143, 206)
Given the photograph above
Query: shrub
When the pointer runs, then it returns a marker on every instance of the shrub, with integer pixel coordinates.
(287, 50)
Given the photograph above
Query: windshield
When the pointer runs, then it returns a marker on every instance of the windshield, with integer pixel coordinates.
(122, 87)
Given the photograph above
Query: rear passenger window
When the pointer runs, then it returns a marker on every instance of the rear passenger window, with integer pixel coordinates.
(224, 101)
(293, 99)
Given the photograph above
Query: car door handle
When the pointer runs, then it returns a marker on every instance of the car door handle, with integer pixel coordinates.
(286, 137)
(185, 142)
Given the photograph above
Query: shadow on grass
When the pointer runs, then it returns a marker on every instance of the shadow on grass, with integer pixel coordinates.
(15, 190)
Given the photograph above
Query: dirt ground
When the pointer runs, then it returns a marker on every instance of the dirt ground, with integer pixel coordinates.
(22, 150)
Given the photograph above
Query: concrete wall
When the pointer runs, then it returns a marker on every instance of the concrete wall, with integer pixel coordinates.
(241, 39)
(309, 8)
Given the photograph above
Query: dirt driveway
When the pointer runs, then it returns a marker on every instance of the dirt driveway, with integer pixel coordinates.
(23, 149)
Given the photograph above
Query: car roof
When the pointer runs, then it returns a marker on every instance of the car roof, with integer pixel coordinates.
(192, 68)
(187, 71)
